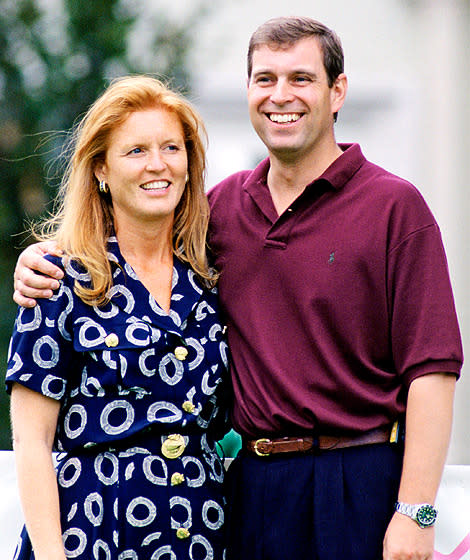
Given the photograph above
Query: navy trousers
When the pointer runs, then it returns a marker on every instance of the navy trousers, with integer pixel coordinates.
(332, 505)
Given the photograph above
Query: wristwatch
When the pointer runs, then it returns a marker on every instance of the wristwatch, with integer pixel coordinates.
(424, 514)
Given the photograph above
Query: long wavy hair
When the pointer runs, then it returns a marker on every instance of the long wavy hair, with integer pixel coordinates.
(83, 219)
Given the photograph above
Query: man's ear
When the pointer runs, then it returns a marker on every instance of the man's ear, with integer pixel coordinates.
(338, 93)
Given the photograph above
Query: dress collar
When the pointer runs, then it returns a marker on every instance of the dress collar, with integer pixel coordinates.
(130, 295)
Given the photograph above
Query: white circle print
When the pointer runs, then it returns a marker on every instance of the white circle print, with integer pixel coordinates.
(164, 553)
(141, 522)
(48, 342)
(208, 505)
(72, 463)
(123, 426)
(75, 409)
(82, 540)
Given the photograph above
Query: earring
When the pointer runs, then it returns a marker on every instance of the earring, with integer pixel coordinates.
(187, 179)
(104, 189)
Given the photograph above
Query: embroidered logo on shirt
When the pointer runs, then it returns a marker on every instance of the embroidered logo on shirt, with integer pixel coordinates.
(331, 259)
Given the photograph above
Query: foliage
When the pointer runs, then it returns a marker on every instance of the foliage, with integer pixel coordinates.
(56, 56)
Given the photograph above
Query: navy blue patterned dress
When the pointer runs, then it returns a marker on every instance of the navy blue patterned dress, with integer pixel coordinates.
(140, 390)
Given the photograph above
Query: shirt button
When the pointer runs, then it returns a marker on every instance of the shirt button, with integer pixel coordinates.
(173, 446)
(188, 406)
(111, 340)
(177, 478)
(182, 533)
(180, 353)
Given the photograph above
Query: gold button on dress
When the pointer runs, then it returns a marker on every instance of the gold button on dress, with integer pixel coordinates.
(173, 446)
(188, 406)
(181, 353)
(111, 340)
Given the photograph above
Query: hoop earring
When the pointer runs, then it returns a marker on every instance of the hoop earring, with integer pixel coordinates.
(103, 188)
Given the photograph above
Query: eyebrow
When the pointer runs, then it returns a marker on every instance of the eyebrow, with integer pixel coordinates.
(295, 71)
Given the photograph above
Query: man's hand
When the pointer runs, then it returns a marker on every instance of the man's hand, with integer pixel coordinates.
(27, 283)
(405, 540)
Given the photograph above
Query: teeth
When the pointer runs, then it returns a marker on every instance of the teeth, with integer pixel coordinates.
(285, 117)
(155, 185)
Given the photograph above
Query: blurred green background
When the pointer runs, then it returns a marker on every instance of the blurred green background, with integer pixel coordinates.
(56, 57)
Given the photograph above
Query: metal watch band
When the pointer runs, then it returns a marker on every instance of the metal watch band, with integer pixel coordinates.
(423, 514)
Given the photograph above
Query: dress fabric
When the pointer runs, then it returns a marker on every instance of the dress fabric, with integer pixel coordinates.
(128, 376)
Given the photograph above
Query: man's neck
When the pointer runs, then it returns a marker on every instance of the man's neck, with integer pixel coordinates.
(288, 179)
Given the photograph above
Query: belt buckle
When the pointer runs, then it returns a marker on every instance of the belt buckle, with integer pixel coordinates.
(255, 447)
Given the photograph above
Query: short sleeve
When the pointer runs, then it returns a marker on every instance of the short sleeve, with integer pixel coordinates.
(41, 352)
(425, 331)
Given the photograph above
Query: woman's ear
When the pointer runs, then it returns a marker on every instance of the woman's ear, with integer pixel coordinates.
(100, 172)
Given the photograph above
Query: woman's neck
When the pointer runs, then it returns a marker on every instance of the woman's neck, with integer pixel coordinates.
(150, 254)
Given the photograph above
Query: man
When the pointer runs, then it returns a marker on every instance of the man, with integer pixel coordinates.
(341, 323)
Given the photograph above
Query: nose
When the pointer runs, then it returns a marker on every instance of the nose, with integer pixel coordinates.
(281, 92)
(155, 161)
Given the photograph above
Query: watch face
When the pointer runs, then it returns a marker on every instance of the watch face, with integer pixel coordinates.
(426, 515)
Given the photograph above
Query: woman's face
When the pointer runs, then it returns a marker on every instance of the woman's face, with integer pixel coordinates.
(145, 168)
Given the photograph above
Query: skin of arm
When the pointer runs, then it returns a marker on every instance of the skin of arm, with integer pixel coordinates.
(27, 283)
(34, 421)
(428, 426)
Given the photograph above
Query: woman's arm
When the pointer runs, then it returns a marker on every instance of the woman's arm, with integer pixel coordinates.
(34, 422)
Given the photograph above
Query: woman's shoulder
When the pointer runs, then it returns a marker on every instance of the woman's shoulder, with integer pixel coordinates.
(74, 270)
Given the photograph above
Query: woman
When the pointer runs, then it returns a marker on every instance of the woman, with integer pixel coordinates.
(119, 370)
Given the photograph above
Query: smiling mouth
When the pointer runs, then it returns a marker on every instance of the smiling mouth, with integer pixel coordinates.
(284, 117)
(155, 186)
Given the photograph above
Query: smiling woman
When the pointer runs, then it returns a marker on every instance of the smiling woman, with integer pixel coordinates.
(123, 370)
(81, 229)
(146, 168)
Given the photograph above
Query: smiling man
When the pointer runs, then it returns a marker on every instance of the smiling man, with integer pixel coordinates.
(345, 346)
(341, 324)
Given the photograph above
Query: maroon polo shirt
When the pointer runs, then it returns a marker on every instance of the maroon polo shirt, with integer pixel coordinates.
(334, 307)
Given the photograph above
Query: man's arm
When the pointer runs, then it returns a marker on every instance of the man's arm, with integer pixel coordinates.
(28, 283)
(428, 426)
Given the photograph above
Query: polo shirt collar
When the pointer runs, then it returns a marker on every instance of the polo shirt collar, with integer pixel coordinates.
(344, 167)
(337, 174)
(256, 185)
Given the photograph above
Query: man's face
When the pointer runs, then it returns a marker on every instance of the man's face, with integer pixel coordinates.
(291, 106)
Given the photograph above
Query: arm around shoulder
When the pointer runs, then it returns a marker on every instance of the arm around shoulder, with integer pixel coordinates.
(36, 277)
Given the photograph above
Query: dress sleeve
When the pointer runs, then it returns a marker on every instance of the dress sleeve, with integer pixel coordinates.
(41, 351)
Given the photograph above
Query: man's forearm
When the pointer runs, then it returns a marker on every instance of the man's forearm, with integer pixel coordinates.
(428, 426)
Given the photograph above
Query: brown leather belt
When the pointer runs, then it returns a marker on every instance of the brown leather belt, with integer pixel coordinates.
(264, 447)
